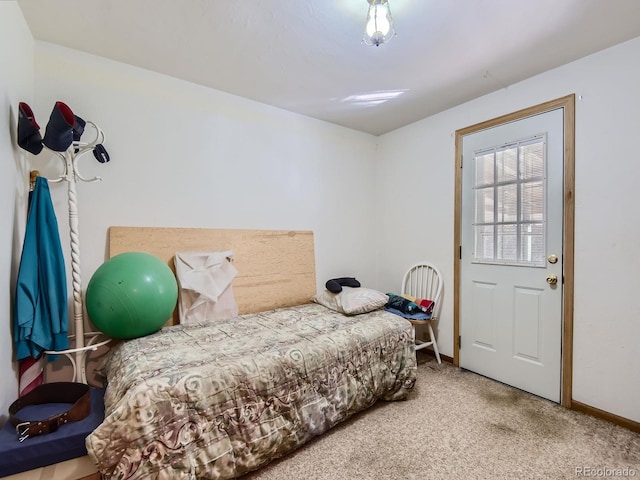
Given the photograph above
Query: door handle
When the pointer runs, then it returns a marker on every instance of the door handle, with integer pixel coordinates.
(552, 279)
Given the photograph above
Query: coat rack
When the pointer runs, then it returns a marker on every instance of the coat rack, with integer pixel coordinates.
(85, 342)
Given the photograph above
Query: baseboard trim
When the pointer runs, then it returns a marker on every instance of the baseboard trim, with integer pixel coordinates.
(604, 415)
(431, 353)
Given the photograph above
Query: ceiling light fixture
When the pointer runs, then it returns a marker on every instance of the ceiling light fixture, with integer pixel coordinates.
(379, 27)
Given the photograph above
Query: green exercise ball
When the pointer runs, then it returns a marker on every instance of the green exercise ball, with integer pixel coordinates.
(131, 295)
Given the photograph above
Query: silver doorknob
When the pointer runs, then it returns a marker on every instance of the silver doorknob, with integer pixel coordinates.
(552, 279)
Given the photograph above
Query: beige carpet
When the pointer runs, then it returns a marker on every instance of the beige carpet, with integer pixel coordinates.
(457, 425)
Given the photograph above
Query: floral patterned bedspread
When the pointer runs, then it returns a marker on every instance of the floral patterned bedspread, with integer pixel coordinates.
(215, 401)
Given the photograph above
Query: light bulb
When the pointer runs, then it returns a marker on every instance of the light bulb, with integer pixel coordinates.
(379, 25)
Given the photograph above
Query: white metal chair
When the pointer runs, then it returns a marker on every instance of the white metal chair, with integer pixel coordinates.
(424, 281)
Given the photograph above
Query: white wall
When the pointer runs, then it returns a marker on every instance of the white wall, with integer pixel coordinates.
(16, 85)
(416, 194)
(186, 156)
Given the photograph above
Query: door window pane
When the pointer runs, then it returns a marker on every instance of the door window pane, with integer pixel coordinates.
(484, 242)
(507, 202)
(532, 202)
(484, 168)
(484, 205)
(532, 243)
(507, 164)
(510, 203)
(532, 161)
(507, 243)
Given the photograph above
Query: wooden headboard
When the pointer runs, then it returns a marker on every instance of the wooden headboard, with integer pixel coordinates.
(276, 268)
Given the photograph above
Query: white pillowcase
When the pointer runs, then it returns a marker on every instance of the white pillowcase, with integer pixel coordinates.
(352, 301)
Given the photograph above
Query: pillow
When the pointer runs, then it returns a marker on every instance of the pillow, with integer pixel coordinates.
(352, 301)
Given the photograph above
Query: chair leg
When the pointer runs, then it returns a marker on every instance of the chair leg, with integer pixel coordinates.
(435, 344)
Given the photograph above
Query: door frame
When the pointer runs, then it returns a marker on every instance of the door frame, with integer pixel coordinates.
(568, 104)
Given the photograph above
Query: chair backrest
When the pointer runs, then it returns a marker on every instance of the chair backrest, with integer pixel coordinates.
(423, 280)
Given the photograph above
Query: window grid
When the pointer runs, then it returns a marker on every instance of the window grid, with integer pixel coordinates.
(511, 178)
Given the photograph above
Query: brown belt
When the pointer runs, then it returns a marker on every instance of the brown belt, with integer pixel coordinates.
(57, 392)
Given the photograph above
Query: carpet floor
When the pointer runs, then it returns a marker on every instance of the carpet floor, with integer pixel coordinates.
(459, 425)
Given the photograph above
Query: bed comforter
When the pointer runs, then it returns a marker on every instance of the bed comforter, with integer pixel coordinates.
(215, 401)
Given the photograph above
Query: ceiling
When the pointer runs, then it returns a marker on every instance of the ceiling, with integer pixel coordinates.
(306, 56)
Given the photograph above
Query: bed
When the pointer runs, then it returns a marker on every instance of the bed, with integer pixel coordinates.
(219, 399)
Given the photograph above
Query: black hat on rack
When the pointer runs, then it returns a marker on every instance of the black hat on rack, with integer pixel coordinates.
(59, 132)
(29, 137)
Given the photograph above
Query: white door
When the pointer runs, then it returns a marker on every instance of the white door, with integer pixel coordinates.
(511, 254)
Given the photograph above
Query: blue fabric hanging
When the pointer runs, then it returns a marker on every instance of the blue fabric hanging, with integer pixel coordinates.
(41, 313)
